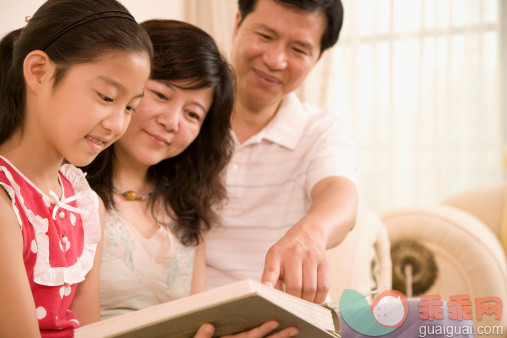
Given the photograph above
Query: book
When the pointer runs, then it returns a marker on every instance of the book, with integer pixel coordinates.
(232, 308)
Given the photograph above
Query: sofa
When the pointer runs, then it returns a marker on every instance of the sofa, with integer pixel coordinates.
(465, 235)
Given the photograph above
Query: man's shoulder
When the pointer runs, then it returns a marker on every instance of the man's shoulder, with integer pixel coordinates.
(311, 121)
(313, 113)
(319, 120)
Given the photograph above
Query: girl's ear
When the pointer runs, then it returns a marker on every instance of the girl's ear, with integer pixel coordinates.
(38, 70)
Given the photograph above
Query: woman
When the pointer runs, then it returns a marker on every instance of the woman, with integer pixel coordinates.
(161, 182)
(163, 175)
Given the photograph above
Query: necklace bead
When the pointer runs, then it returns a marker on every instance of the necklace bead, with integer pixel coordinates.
(130, 195)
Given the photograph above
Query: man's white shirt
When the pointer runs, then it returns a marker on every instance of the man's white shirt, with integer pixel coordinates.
(269, 181)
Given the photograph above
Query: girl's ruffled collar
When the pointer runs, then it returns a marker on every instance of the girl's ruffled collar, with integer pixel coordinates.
(43, 273)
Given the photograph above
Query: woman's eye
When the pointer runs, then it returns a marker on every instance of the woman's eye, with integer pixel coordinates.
(193, 115)
(130, 109)
(160, 95)
(106, 99)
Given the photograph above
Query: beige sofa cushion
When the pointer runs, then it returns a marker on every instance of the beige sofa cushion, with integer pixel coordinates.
(362, 262)
(485, 203)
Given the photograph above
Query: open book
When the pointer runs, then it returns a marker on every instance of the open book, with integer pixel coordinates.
(231, 309)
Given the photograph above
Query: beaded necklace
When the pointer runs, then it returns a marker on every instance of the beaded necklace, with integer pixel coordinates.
(130, 195)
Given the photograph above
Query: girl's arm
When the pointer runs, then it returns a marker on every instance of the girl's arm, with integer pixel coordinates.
(86, 302)
(17, 308)
(199, 274)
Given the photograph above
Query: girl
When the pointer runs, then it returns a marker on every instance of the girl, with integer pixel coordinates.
(161, 182)
(70, 80)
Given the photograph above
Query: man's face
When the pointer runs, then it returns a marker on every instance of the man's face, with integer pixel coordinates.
(274, 49)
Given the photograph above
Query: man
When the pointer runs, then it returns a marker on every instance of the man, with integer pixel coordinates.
(292, 179)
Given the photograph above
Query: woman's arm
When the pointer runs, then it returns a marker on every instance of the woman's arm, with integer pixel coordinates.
(199, 274)
(17, 308)
(86, 302)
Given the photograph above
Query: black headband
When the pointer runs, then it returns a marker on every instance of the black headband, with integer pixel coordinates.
(88, 18)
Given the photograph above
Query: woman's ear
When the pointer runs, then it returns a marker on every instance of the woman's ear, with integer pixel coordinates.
(38, 70)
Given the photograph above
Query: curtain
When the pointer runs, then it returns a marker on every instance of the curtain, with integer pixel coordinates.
(216, 17)
(419, 83)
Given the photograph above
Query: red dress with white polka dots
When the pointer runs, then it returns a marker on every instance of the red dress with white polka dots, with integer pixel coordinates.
(60, 236)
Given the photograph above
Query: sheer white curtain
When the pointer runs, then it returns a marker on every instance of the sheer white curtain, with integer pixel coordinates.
(216, 17)
(419, 82)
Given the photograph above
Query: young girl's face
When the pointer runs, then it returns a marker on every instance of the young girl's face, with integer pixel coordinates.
(92, 105)
(167, 120)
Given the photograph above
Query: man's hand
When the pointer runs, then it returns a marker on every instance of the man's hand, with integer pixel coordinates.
(298, 261)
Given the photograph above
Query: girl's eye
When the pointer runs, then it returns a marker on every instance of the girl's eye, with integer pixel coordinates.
(130, 109)
(106, 99)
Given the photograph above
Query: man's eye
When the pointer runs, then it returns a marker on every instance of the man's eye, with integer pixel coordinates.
(264, 36)
(299, 51)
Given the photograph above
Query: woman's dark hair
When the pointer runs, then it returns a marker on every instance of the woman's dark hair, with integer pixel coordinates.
(332, 9)
(189, 185)
(70, 32)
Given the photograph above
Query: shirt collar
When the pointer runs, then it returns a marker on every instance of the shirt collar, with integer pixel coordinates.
(287, 126)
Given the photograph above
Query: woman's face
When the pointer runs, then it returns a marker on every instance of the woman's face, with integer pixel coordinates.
(166, 121)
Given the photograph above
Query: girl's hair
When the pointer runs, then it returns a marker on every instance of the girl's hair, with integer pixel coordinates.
(70, 32)
(190, 185)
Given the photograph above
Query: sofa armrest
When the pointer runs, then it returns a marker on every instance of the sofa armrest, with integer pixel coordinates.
(469, 257)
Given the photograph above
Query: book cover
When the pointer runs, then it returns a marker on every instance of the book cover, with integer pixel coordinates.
(232, 308)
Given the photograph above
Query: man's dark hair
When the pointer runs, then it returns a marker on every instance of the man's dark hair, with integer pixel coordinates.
(332, 9)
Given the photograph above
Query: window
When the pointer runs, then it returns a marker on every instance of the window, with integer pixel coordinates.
(420, 83)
